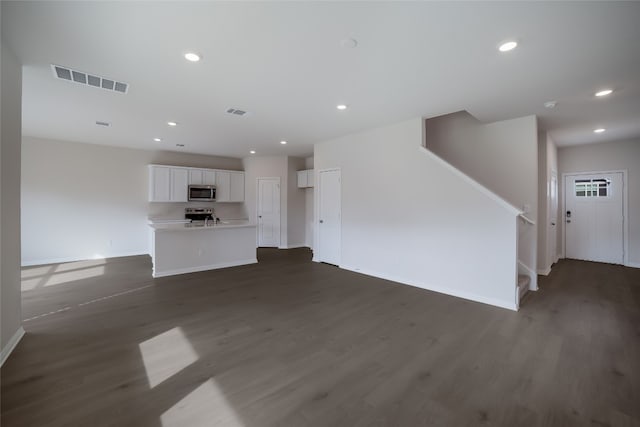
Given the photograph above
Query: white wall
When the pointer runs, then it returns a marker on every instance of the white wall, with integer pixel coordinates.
(295, 204)
(84, 200)
(502, 156)
(409, 217)
(547, 163)
(11, 130)
(308, 207)
(605, 157)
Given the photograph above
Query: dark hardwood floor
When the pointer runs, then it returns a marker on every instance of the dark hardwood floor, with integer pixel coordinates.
(288, 342)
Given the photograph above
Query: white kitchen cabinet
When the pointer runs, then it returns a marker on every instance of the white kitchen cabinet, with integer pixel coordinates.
(179, 184)
(159, 183)
(168, 183)
(302, 179)
(195, 176)
(229, 186)
(305, 178)
(202, 177)
(208, 177)
(223, 186)
(171, 183)
(236, 193)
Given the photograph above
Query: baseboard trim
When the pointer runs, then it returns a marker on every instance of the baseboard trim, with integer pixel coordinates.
(76, 259)
(633, 264)
(11, 345)
(440, 289)
(544, 272)
(203, 268)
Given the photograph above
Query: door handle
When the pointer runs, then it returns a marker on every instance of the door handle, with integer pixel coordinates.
(321, 221)
(553, 223)
(259, 216)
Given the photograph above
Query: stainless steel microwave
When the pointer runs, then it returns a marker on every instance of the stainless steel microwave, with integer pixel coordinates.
(202, 193)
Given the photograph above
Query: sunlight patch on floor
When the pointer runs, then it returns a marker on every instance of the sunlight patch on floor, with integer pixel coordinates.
(80, 264)
(166, 354)
(204, 406)
(33, 272)
(58, 278)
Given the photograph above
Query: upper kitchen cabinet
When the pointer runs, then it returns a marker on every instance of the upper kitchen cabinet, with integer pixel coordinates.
(223, 186)
(305, 178)
(195, 177)
(202, 177)
(208, 177)
(171, 183)
(229, 186)
(179, 184)
(168, 184)
(237, 187)
(159, 183)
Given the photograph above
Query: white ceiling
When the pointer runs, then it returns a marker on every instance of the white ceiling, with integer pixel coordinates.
(284, 63)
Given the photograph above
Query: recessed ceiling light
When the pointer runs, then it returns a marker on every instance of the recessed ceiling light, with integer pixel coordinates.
(550, 104)
(252, 152)
(599, 130)
(157, 139)
(604, 92)
(507, 46)
(283, 142)
(172, 124)
(193, 57)
(341, 107)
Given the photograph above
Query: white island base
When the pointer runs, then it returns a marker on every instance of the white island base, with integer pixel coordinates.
(183, 248)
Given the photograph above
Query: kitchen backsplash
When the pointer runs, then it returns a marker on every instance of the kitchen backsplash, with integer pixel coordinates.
(176, 210)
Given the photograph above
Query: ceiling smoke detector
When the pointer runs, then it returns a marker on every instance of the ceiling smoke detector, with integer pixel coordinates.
(71, 75)
(550, 104)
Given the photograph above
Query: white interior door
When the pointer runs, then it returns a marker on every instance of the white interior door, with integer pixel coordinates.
(268, 212)
(594, 217)
(552, 227)
(329, 221)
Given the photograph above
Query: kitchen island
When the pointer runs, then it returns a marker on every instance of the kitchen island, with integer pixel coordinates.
(187, 248)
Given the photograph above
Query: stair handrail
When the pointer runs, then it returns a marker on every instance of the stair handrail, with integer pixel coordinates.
(526, 219)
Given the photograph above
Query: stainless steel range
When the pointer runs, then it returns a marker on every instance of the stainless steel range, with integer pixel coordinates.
(199, 215)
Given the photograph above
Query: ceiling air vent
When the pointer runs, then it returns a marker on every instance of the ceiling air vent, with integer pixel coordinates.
(236, 112)
(65, 73)
(101, 123)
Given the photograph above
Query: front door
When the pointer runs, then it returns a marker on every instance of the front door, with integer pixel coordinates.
(329, 223)
(268, 211)
(594, 217)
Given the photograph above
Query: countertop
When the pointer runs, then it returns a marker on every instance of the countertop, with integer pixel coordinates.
(224, 224)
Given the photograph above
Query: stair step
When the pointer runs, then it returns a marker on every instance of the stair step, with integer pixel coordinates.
(523, 280)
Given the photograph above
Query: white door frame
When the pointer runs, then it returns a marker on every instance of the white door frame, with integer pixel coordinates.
(258, 204)
(625, 210)
(316, 212)
(552, 244)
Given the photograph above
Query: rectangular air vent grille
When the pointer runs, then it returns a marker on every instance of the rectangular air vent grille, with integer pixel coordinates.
(236, 112)
(65, 73)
